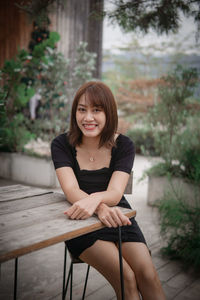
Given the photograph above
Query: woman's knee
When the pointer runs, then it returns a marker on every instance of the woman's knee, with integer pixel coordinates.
(147, 275)
(130, 281)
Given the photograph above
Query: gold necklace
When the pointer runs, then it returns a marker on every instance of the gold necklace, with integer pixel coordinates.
(91, 158)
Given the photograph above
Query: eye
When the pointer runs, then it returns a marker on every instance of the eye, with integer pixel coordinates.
(81, 109)
(97, 109)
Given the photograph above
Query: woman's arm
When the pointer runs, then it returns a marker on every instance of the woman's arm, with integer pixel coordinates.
(83, 205)
(109, 215)
(115, 190)
(102, 203)
(111, 196)
(69, 184)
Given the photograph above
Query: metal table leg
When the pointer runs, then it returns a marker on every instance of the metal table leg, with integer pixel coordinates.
(121, 264)
(15, 278)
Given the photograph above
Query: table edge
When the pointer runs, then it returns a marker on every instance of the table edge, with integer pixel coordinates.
(52, 241)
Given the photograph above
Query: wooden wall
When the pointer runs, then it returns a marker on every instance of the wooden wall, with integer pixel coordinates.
(75, 23)
(95, 34)
(15, 30)
(73, 20)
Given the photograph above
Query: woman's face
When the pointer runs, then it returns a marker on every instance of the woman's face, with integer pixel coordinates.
(90, 119)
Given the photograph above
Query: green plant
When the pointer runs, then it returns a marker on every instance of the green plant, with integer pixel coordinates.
(180, 226)
(84, 65)
(192, 165)
(48, 73)
(51, 84)
(14, 97)
(189, 149)
(2, 112)
(57, 82)
(169, 119)
(143, 140)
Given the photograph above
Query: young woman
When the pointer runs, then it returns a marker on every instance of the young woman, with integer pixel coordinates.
(93, 164)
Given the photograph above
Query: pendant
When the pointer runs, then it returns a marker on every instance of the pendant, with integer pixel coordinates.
(91, 159)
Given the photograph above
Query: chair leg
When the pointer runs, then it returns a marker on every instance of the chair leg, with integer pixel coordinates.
(68, 278)
(64, 272)
(121, 264)
(86, 280)
(71, 281)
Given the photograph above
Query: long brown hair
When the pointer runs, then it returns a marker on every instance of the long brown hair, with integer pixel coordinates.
(98, 94)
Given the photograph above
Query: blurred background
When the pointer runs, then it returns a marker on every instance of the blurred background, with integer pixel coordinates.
(148, 54)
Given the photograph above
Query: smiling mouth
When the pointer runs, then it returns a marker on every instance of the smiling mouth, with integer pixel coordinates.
(89, 126)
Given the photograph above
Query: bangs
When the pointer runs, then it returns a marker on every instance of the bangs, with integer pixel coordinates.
(95, 97)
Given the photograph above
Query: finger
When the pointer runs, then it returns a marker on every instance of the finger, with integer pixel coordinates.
(76, 214)
(116, 218)
(124, 219)
(80, 215)
(129, 222)
(111, 221)
(105, 221)
(67, 212)
(119, 217)
(70, 210)
(74, 211)
(85, 215)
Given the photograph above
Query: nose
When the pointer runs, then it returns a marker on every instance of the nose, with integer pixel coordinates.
(89, 116)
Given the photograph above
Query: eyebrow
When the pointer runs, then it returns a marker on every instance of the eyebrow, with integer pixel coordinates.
(85, 105)
(82, 105)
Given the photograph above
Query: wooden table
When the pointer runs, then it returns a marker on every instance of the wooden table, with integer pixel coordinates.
(33, 218)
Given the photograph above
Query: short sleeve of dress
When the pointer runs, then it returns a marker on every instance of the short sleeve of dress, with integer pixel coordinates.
(61, 152)
(124, 154)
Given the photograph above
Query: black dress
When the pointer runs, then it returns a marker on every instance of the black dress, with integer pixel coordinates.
(90, 181)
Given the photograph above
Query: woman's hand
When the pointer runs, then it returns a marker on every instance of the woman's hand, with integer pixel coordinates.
(112, 216)
(83, 209)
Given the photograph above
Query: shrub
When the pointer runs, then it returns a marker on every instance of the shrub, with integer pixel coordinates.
(59, 81)
(173, 124)
(180, 226)
(188, 153)
(192, 165)
(143, 140)
(14, 97)
(168, 116)
(47, 73)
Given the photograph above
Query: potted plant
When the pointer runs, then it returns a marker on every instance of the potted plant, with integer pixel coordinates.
(174, 182)
(176, 129)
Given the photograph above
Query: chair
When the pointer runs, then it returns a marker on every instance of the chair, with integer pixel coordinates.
(70, 275)
(79, 261)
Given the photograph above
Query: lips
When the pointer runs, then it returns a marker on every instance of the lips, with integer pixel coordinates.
(89, 126)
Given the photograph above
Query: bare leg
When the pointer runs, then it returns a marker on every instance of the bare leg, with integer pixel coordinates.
(138, 257)
(104, 257)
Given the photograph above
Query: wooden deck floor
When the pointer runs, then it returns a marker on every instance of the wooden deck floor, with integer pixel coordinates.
(40, 272)
(40, 277)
